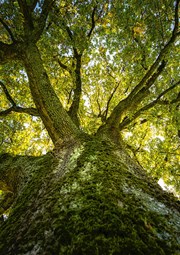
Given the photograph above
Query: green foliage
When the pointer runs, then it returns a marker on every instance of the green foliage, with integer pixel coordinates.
(128, 36)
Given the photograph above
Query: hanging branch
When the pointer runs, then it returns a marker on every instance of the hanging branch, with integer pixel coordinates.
(158, 100)
(14, 108)
(7, 29)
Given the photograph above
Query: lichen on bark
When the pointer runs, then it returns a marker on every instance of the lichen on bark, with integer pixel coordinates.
(92, 199)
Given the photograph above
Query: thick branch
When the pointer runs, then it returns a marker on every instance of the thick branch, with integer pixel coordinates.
(158, 100)
(144, 92)
(56, 120)
(128, 103)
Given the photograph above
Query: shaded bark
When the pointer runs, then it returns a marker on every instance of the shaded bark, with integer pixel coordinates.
(56, 120)
(90, 199)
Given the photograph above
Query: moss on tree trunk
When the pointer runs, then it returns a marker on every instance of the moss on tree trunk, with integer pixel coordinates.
(91, 199)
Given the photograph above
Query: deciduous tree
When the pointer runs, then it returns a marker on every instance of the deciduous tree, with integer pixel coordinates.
(89, 124)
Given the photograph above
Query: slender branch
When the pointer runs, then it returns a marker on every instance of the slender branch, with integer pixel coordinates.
(144, 92)
(6, 112)
(31, 111)
(128, 120)
(68, 30)
(14, 108)
(99, 106)
(8, 96)
(73, 110)
(65, 67)
(8, 29)
(92, 21)
(109, 100)
(43, 17)
(176, 19)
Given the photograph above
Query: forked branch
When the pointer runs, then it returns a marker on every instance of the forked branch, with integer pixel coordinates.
(15, 108)
(128, 120)
(141, 89)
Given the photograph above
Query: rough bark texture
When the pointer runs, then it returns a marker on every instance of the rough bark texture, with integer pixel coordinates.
(88, 199)
(55, 118)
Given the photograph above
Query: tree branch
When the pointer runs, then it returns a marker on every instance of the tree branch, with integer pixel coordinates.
(33, 4)
(92, 21)
(69, 32)
(144, 92)
(43, 17)
(148, 79)
(26, 12)
(176, 19)
(128, 103)
(73, 110)
(8, 29)
(14, 108)
(31, 111)
(65, 67)
(109, 100)
(8, 52)
(128, 120)
(8, 96)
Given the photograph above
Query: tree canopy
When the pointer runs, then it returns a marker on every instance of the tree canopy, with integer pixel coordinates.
(109, 64)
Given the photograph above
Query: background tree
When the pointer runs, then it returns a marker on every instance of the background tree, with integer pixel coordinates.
(96, 84)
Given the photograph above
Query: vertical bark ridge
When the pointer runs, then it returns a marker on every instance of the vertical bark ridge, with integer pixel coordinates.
(56, 120)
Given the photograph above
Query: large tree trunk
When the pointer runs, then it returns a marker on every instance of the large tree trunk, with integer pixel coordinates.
(88, 199)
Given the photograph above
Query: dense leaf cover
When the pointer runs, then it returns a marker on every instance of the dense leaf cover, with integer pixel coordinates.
(98, 55)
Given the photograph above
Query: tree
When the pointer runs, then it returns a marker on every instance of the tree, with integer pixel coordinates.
(101, 77)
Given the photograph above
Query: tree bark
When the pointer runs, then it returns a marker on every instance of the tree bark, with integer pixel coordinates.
(56, 120)
(88, 199)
